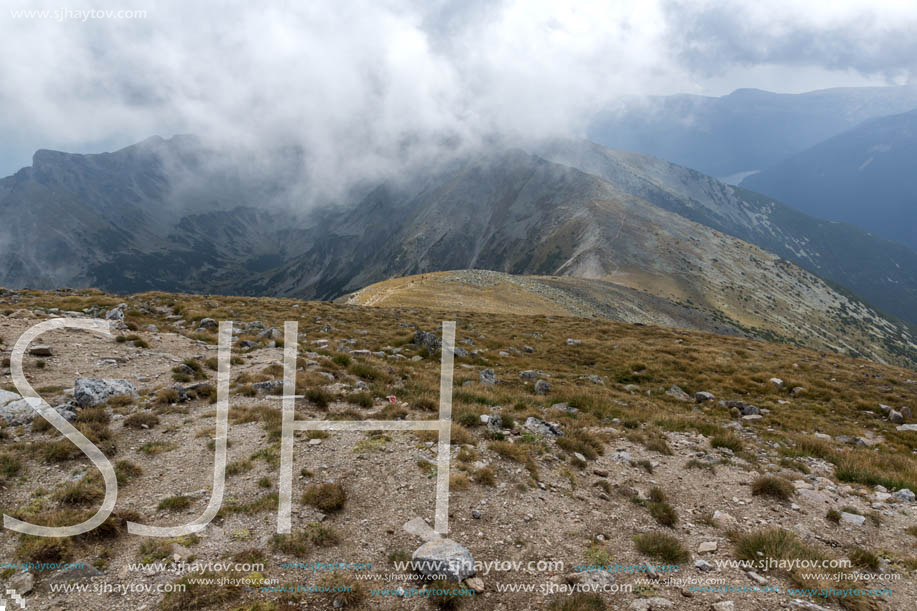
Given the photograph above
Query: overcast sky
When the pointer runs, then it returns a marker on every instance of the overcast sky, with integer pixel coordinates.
(356, 79)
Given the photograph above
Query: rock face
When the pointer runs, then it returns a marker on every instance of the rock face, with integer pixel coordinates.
(89, 392)
(14, 410)
(444, 557)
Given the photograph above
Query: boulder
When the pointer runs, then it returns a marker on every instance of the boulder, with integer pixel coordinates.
(895, 417)
(14, 410)
(116, 313)
(89, 392)
(487, 376)
(430, 341)
(905, 495)
(703, 396)
(207, 323)
(853, 518)
(677, 393)
(542, 387)
(443, 557)
(528, 374)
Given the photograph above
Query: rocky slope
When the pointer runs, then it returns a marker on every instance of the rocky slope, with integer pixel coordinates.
(864, 176)
(648, 447)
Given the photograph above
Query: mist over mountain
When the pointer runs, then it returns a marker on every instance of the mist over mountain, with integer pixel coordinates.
(745, 131)
(177, 215)
(865, 176)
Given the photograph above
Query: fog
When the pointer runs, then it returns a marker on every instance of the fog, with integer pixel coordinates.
(365, 88)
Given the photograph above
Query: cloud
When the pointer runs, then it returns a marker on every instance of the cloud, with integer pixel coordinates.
(365, 86)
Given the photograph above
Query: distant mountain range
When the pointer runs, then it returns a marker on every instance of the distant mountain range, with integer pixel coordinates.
(866, 176)
(745, 131)
(177, 215)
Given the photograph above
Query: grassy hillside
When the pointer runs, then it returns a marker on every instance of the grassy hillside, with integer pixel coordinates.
(637, 475)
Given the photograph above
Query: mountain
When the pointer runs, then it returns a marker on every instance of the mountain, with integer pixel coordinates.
(881, 271)
(171, 215)
(745, 131)
(864, 176)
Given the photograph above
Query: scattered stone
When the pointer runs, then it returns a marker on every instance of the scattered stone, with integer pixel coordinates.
(703, 566)
(808, 606)
(905, 495)
(895, 417)
(723, 605)
(21, 582)
(573, 342)
(651, 604)
(823, 436)
(89, 392)
(14, 410)
(907, 427)
(476, 514)
(542, 387)
(528, 374)
(40, 350)
(475, 583)
(776, 382)
(758, 579)
(419, 528)
(797, 390)
(542, 427)
(430, 341)
(706, 546)
(528, 349)
(444, 557)
(678, 393)
(207, 323)
(116, 313)
(487, 376)
(702, 396)
(595, 379)
(852, 518)
(269, 386)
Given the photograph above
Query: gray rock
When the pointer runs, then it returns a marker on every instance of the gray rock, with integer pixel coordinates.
(487, 376)
(702, 396)
(528, 349)
(443, 557)
(74, 574)
(40, 350)
(852, 518)
(208, 323)
(21, 582)
(723, 605)
(776, 382)
(89, 392)
(460, 352)
(595, 379)
(430, 341)
(651, 604)
(269, 386)
(14, 410)
(905, 495)
(895, 417)
(797, 390)
(246, 344)
(573, 342)
(271, 334)
(116, 313)
(678, 393)
(547, 429)
(798, 603)
(907, 427)
(542, 387)
(528, 374)
(703, 566)
(419, 528)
